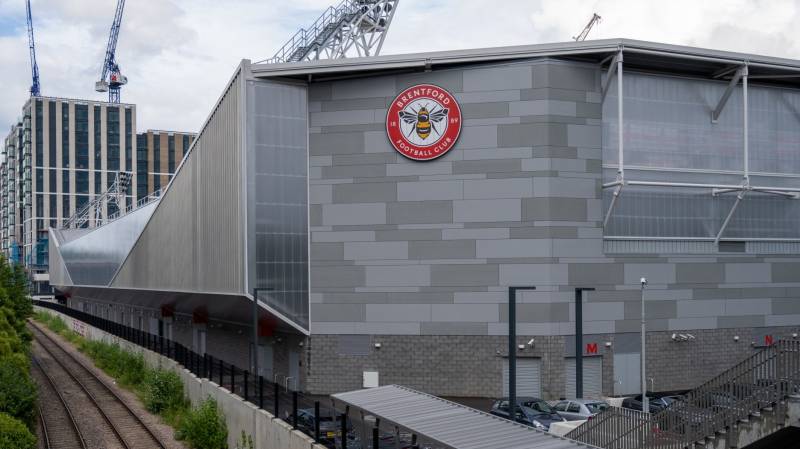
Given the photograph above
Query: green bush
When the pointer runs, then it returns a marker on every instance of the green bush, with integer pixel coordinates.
(163, 390)
(204, 427)
(17, 391)
(129, 369)
(14, 434)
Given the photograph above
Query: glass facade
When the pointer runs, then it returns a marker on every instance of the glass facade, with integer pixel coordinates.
(113, 139)
(65, 172)
(669, 137)
(128, 139)
(278, 130)
(81, 136)
(98, 183)
(156, 162)
(141, 166)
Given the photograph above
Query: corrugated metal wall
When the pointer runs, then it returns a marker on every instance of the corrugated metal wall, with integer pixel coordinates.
(194, 241)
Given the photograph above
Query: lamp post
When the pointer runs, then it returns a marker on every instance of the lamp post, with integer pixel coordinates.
(255, 327)
(645, 401)
(512, 348)
(579, 340)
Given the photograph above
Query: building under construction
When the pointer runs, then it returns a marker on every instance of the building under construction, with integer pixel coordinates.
(63, 156)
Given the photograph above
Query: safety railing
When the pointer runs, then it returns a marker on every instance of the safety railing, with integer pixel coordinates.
(309, 414)
(761, 382)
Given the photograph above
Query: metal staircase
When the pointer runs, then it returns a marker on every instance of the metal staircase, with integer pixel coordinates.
(354, 27)
(758, 388)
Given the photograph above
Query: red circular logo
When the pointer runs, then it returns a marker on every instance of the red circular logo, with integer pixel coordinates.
(423, 122)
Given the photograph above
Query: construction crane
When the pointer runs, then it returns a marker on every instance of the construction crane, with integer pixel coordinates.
(592, 22)
(111, 79)
(354, 28)
(32, 46)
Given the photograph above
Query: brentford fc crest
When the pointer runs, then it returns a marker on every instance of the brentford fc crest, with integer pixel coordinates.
(423, 122)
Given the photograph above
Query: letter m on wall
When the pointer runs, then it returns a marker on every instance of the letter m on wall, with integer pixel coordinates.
(591, 348)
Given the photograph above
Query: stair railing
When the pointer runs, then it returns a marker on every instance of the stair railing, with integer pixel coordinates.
(762, 381)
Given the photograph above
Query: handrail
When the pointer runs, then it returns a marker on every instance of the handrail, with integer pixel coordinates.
(765, 379)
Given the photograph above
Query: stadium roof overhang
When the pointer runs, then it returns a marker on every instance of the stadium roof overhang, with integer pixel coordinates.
(445, 424)
(639, 55)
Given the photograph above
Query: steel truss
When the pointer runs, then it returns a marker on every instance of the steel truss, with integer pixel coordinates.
(115, 195)
(737, 73)
(354, 28)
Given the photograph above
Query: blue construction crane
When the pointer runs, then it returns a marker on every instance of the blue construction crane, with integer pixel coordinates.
(111, 79)
(32, 46)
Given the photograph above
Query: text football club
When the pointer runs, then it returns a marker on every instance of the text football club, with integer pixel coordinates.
(423, 122)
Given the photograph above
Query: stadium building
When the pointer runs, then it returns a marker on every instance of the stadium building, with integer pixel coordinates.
(380, 209)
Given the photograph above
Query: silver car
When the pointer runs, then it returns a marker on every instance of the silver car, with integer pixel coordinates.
(578, 409)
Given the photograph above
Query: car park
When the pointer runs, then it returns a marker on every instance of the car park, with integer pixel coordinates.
(656, 403)
(579, 409)
(531, 411)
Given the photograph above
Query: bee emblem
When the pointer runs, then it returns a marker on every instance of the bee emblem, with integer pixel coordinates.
(424, 121)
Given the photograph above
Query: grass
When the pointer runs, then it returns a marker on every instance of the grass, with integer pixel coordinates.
(161, 391)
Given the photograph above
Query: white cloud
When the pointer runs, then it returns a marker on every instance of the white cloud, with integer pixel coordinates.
(178, 54)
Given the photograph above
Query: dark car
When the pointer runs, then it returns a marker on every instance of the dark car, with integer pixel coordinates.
(656, 403)
(330, 429)
(531, 411)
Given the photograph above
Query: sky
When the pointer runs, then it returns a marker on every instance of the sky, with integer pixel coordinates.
(179, 54)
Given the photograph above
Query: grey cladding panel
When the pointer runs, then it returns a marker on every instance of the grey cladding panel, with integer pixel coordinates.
(194, 240)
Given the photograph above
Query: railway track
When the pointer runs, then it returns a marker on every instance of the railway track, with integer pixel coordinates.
(58, 426)
(119, 426)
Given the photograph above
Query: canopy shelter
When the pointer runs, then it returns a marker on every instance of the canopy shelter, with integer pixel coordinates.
(441, 423)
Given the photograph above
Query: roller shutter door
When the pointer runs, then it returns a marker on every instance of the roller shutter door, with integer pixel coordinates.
(529, 377)
(592, 377)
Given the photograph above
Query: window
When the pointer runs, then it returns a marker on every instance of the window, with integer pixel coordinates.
(596, 407)
(171, 154)
(98, 135)
(561, 406)
(82, 182)
(112, 138)
(128, 139)
(39, 136)
(573, 408)
(81, 136)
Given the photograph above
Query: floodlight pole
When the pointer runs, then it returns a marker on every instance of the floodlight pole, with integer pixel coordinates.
(512, 349)
(579, 340)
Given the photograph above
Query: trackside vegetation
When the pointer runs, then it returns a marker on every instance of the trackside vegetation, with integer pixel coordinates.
(17, 390)
(161, 391)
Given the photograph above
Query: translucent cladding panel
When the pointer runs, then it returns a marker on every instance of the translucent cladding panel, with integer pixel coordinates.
(277, 142)
(765, 216)
(666, 212)
(667, 124)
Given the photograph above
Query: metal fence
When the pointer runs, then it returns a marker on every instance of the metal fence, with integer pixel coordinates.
(762, 381)
(317, 418)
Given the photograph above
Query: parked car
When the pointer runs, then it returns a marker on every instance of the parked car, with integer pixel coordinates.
(330, 429)
(531, 411)
(656, 403)
(578, 409)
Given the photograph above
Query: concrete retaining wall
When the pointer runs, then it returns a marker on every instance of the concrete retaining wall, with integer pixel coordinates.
(267, 431)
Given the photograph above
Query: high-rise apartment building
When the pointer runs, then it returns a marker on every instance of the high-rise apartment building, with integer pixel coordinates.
(158, 153)
(62, 155)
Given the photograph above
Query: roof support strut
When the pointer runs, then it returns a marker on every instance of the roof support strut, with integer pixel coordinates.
(741, 71)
